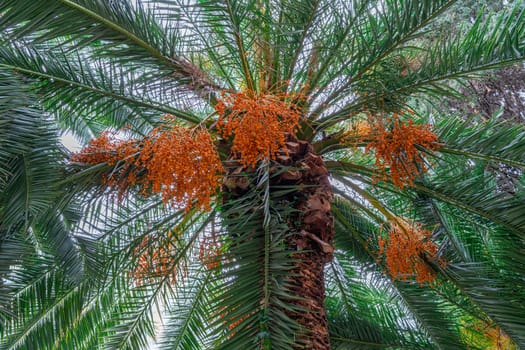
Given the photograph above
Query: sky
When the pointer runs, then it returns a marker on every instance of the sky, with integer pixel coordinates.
(69, 141)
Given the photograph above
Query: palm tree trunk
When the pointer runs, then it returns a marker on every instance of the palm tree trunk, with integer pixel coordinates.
(312, 235)
(313, 240)
(310, 286)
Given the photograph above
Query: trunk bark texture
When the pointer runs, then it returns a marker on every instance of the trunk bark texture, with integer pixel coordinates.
(313, 239)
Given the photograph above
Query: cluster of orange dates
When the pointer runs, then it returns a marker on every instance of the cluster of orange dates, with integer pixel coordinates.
(406, 251)
(182, 165)
(257, 123)
(395, 149)
(155, 259)
(395, 144)
(210, 252)
(108, 149)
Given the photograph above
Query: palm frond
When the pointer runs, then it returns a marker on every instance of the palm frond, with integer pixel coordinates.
(134, 319)
(424, 308)
(104, 94)
(485, 141)
(499, 296)
(378, 33)
(43, 296)
(32, 166)
(466, 194)
(499, 245)
(254, 299)
(120, 29)
(415, 69)
(363, 312)
(187, 313)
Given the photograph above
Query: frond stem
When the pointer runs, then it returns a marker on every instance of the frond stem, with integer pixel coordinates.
(450, 150)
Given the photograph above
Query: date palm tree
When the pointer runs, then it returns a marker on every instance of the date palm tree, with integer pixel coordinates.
(277, 177)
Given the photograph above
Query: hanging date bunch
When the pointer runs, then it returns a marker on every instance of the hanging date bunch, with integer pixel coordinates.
(257, 123)
(180, 164)
(156, 259)
(395, 146)
(407, 250)
(210, 249)
(107, 148)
